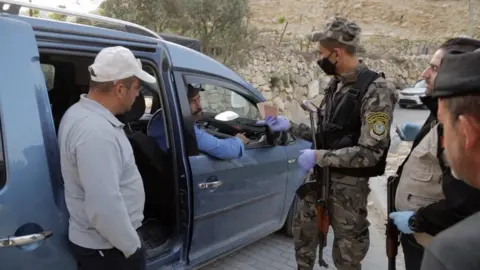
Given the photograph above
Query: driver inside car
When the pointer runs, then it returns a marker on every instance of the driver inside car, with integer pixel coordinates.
(230, 148)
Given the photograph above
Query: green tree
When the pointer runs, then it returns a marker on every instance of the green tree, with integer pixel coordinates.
(221, 25)
(58, 17)
(157, 15)
(34, 13)
(215, 20)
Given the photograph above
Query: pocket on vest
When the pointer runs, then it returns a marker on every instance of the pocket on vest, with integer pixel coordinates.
(422, 167)
(420, 201)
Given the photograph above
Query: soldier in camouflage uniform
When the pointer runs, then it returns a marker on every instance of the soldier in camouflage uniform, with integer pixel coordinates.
(348, 194)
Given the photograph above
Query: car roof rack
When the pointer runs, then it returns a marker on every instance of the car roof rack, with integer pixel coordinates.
(14, 9)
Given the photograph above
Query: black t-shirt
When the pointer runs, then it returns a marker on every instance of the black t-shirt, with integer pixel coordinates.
(457, 248)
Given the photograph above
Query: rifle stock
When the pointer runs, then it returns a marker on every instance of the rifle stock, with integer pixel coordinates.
(323, 216)
(392, 232)
(323, 222)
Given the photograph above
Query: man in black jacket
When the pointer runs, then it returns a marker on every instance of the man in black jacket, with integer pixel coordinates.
(457, 89)
(428, 198)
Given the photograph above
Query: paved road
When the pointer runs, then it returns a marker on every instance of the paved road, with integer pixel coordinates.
(401, 116)
(276, 251)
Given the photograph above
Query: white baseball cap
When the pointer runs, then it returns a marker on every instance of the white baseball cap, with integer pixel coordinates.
(117, 63)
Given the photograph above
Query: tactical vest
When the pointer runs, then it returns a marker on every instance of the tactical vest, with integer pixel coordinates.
(342, 122)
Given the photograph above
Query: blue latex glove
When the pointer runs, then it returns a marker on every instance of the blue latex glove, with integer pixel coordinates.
(307, 160)
(408, 132)
(279, 123)
(401, 220)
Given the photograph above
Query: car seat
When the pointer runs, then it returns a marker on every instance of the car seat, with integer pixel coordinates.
(156, 129)
(154, 166)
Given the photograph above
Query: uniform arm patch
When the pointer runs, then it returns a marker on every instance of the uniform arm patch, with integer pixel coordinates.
(378, 124)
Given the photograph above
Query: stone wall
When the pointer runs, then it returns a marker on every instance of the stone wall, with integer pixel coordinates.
(286, 77)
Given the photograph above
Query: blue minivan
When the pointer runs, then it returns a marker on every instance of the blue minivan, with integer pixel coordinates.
(207, 208)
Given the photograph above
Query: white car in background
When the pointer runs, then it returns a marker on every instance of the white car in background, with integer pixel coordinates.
(410, 97)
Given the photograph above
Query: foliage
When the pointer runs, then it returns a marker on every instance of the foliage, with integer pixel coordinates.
(207, 19)
(58, 17)
(222, 26)
(281, 20)
(156, 15)
(34, 13)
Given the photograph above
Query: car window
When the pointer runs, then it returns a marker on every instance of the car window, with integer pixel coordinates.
(217, 99)
(421, 84)
(49, 73)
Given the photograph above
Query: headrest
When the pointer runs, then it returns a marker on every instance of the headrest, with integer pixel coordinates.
(149, 92)
(136, 112)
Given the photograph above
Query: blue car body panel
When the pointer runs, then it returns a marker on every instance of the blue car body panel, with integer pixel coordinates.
(251, 201)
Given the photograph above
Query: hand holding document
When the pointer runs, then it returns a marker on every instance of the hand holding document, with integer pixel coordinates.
(267, 110)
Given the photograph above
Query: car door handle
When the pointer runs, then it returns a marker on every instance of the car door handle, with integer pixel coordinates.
(210, 185)
(24, 239)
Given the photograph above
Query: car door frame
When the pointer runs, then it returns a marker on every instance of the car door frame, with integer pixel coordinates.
(32, 164)
(181, 79)
(161, 62)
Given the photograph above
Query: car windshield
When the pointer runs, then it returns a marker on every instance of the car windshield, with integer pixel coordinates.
(420, 84)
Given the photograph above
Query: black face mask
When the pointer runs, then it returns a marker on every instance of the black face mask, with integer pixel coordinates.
(327, 66)
(431, 103)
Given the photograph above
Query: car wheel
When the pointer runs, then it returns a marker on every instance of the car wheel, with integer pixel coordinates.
(403, 106)
(288, 226)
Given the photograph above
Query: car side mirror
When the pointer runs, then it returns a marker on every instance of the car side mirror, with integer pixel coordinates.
(226, 116)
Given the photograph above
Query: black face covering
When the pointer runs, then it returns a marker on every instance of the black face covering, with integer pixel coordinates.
(431, 103)
(327, 66)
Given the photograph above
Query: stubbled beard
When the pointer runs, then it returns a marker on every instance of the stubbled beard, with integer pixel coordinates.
(197, 112)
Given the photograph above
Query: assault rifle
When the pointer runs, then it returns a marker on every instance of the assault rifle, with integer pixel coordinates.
(321, 185)
(392, 232)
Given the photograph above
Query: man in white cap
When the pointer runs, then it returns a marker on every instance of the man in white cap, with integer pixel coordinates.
(103, 188)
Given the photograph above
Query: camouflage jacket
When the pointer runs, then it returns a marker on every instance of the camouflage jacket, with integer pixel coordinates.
(376, 111)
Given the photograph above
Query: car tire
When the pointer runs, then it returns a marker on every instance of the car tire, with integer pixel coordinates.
(288, 226)
(403, 106)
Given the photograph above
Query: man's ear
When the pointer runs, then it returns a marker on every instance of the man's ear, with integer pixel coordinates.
(470, 129)
(338, 53)
(119, 89)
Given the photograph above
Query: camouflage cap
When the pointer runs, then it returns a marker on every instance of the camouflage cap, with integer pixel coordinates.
(339, 29)
(458, 75)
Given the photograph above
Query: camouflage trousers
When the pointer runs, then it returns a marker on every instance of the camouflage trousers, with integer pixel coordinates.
(348, 219)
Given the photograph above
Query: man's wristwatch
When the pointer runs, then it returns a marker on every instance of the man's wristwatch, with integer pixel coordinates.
(412, 223)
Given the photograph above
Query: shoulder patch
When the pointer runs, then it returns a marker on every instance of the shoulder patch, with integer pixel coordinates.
(378, 124)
